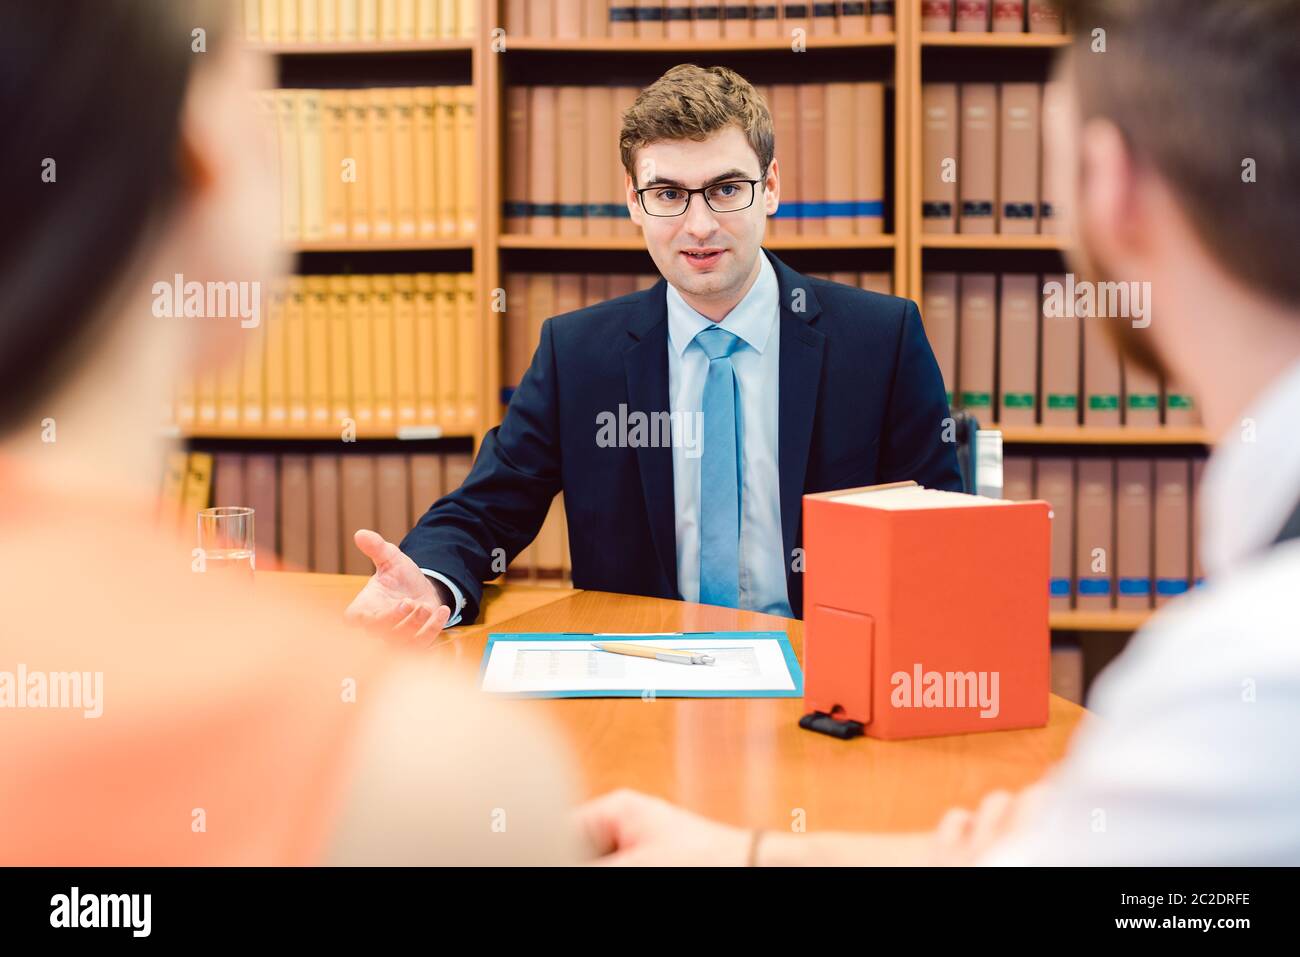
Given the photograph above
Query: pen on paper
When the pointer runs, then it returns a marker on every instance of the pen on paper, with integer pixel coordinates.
(675, 655)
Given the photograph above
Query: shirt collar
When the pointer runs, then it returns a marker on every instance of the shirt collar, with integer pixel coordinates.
(1252, 480)
(752, 319)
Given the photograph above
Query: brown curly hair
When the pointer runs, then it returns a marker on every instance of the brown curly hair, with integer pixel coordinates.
(693, 102)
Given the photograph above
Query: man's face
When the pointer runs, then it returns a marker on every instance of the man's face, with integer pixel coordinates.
(1093, 186)
(708, 256)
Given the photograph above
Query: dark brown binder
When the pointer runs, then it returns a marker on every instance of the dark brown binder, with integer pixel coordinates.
(426, 484)
(228, 482)
(261, 488)
(357, 479)
(1067, 672)
(393, 502)
(326, 553)
(295, 511)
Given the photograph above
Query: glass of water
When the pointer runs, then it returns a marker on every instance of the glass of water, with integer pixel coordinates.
(226, 537)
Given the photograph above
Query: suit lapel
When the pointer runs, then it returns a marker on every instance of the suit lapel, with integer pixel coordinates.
(802, 347)
(645, 363)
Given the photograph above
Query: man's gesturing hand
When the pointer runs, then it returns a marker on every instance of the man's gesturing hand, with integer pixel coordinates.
(398, 601)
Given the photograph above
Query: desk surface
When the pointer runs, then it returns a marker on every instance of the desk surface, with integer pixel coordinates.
(745, 761)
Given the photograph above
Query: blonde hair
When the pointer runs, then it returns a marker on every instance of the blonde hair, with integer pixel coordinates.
(693, 102)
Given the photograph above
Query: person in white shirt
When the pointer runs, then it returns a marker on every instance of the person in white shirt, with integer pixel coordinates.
(1181, 142)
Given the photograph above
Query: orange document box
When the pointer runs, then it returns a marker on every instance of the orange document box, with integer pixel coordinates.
(925, 612)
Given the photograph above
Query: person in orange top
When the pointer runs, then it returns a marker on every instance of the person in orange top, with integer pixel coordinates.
(150, 715)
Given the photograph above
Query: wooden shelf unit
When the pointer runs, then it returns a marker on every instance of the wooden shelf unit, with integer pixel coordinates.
(382, 245)
(995, 241)
(1117, 621)
(916, 240)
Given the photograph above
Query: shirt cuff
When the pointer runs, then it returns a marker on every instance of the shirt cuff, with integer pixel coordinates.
(455, 593)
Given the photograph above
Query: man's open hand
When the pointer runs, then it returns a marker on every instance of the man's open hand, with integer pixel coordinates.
(398, 601)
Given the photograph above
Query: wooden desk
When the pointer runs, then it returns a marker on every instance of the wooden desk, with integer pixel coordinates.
(744, 761)
(336, 591)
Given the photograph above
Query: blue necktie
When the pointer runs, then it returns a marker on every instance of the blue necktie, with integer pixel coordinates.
(720, 473)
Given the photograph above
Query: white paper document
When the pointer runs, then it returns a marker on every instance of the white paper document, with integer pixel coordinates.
(558, 667)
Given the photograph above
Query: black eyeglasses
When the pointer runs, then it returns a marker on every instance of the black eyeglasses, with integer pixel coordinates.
(728, 197)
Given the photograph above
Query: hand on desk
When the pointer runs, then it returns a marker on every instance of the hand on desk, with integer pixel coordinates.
(398, 601)
(963, 837)
(630, 828)
(633, 829)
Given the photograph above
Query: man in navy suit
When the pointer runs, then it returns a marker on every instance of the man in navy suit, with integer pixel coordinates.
(684, 423)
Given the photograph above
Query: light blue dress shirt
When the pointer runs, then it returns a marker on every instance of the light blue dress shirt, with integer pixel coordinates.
(756, 320)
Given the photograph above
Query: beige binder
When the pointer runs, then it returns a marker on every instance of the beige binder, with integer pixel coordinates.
(977, 352)
(1019, 313)
(939, 316)
(1019, 151)
(977, 173)
(939, 157)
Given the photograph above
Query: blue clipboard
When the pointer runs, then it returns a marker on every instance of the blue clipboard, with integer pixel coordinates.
(791, 663)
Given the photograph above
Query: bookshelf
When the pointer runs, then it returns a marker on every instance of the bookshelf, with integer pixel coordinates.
(1029, 47)
(490, 63)
(379, 62)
